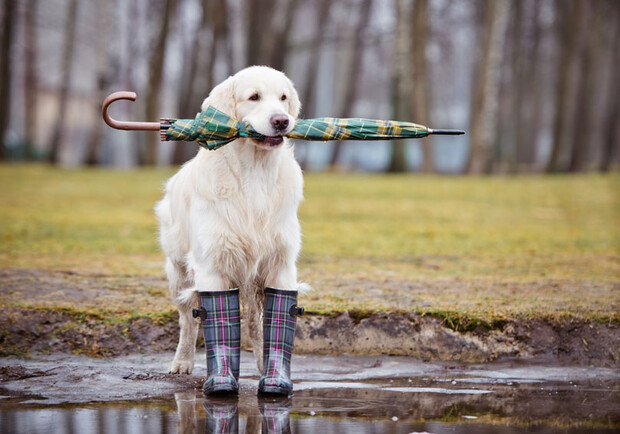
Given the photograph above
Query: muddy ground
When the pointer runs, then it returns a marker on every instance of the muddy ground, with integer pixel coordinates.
(34, 318)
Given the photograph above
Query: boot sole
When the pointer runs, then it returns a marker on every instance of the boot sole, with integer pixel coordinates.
(274, 390)
(221, 391)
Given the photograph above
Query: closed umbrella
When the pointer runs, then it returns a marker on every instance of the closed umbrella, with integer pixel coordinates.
(213, 129)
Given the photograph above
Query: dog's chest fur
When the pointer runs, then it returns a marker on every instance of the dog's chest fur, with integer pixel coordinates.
(255, 209)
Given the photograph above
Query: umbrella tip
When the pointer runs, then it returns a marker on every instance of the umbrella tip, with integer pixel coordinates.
(447, 132)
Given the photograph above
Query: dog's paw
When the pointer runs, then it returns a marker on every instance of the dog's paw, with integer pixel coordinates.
(181, 367)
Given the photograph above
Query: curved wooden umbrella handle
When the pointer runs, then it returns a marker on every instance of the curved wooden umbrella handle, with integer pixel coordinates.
(125, 125)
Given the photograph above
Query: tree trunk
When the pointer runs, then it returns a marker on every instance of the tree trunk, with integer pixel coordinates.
(532, 85)
(156, 73)
(5, 69)
(215, 21)
(279, 49)
(585, 88)
(353, 69)
(483, 116)
(260, 13)
(196, 86)
(518, 85)
(189, 102)
(30, 76)
(420, 87)
(611, 126)
(566, 82)
(103, 78)
(398, 160)
(66, 67)
(611, 137)
(308, 93)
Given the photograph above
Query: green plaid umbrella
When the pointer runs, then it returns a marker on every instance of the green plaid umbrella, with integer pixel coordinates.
(213, 129)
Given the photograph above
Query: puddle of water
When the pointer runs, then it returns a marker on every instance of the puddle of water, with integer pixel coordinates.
(332, 395)
(333, 408)
(437, 390)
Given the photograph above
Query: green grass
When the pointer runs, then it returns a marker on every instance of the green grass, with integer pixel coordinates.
(480, 248)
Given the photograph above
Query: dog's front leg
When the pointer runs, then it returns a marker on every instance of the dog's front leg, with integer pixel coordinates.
(183, 362)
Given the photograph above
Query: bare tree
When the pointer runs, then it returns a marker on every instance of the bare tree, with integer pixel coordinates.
(8, 10)
(309, 89)
(398, 160)
(420, 87)
(353, 68)
(518, 83)
(156, 73)
(308, 92)
(102, 76)
(269, 47)
(532, 87)
(279, 41)
(611, 126)
(213, 29)
(568, 72)
(586, 87)
(65, 80)
(260, 12)
(194, 53)
(30, 75)
(483, 115)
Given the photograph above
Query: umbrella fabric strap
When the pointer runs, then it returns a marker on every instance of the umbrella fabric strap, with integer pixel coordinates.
(213, 129)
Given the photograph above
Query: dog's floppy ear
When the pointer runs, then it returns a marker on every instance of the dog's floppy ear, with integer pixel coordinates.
(294, 104)
(222, 97)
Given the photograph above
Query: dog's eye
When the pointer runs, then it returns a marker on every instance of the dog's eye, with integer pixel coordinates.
(255, 97)
(283, 98)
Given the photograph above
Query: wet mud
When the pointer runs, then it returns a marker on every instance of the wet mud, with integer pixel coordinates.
(571, 341)
(332, 394)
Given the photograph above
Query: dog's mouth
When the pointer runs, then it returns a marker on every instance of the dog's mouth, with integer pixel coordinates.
(270, 141)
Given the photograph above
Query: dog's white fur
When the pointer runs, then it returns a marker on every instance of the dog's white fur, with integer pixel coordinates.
(229, 217)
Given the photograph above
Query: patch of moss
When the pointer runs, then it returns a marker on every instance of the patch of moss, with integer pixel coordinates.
(13, 351)
(463, 323)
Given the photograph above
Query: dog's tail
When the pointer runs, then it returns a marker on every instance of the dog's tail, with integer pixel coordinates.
(303, 287)
(187, 297)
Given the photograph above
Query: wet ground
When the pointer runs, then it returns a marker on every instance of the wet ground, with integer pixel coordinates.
(347, 394)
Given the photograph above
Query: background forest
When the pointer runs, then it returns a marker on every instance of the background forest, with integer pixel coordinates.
(535, 83)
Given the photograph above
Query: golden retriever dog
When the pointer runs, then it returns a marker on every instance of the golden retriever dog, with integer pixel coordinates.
(229, 217)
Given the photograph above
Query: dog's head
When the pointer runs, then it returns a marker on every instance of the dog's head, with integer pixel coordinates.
(261, 96)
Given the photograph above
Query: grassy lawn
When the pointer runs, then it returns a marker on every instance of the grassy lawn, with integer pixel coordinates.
(475, 247)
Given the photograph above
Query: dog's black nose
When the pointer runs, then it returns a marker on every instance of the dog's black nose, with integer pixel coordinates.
(279, 122)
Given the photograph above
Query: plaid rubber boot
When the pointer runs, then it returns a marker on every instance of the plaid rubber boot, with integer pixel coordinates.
(219, 313)
(279, 321)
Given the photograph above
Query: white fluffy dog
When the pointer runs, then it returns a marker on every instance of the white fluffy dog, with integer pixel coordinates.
(229, 217)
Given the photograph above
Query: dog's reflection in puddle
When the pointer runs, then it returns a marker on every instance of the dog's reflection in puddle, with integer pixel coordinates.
(271, 415)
